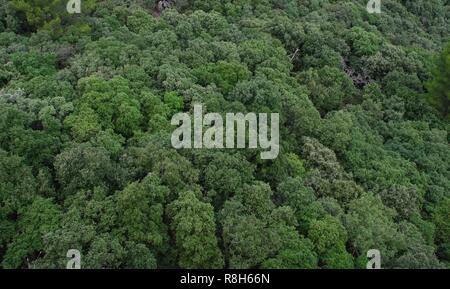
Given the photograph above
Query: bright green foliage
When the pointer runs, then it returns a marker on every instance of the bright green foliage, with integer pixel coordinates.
(36, 220)
(34, 64)
(300, 255)
(47, 14)
(195, 233)
(17, 190)
(105, 105)
(223, 74)
(363, 42)
(142, 221)
(326, 234)
(329, 238)
(370, 225)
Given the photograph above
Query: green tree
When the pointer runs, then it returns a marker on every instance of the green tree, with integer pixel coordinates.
(140, 209)
(105, 105)
(17, 190)
(299, 255)
(224, 74)
(370, 225)
(35, 220)
(329, 237)
(440, 219)
(329, 88)
(192, 222)
(439, 86)
(85, 167)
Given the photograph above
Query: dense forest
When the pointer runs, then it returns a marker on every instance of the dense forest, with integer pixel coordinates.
(86, 102)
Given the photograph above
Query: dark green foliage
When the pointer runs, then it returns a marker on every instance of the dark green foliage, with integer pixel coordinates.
(329, 88)
(86, 161)
(84, 167)
(35, 221)
(439, 86)
(194, 229)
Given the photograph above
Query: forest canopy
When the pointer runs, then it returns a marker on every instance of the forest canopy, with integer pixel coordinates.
(86, 163)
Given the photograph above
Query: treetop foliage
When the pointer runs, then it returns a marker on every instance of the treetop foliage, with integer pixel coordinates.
(85, 157)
